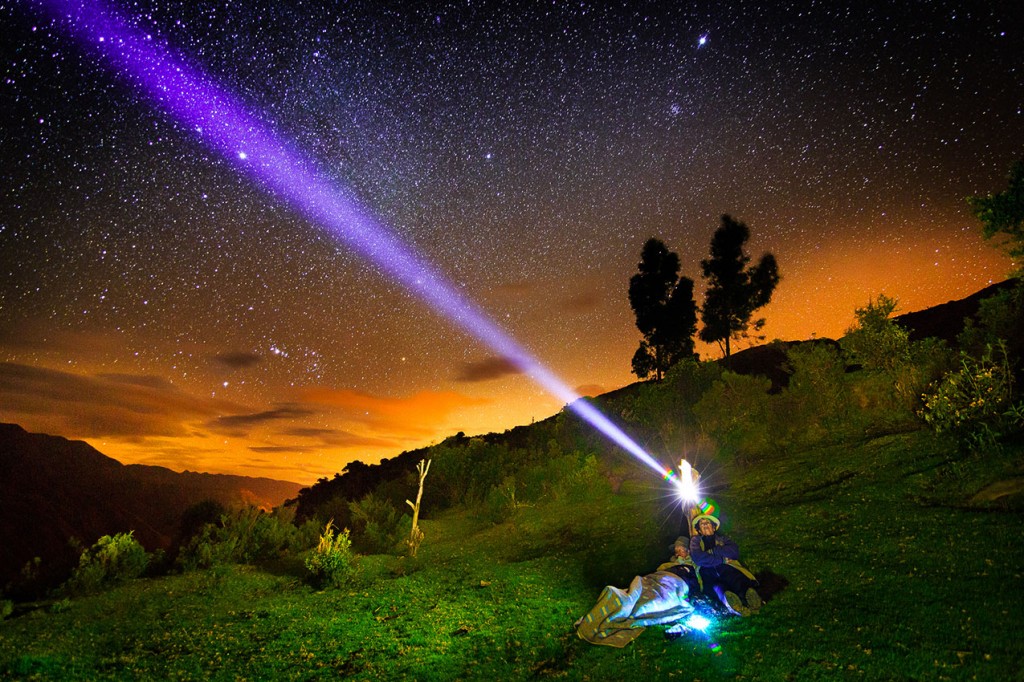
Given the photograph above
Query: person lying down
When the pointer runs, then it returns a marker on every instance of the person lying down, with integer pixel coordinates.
(620, 616)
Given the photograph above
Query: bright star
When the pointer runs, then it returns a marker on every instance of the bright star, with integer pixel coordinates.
(702, 41)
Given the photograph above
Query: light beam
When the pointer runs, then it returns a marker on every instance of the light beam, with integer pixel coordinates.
(240, 136)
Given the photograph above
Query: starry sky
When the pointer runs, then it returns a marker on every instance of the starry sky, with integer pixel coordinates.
(171, 310)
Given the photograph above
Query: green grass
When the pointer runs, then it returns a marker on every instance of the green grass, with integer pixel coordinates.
(892, 576)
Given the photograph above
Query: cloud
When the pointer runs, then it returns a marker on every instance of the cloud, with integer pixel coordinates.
(338, 437)
(239, 424)
(582, 303)
(331, 438)
(487, 369)
(239, 359)
(101, 405)
(590, 390)
(415, 416)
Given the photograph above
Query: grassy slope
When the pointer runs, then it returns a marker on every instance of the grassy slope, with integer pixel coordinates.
(892, 576)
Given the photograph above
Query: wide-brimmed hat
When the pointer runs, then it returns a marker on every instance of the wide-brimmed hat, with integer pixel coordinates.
(709, 517)
(681, 541)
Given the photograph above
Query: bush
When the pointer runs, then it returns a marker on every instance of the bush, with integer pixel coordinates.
(816, 404)
(332, 563)
(247, 535)
(875, 340)
(378, 525)
(464, 473)
(666, 408)
(897, 370)
(501, 502)
(999, 321)
(735, 414)
(974, 403)
(583, 481)
(112, 560)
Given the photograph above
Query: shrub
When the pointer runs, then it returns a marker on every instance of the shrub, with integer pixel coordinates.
(876, 340)
(336, 508)
(378, 525)
(898, 370)
(999, 320)
(501, 502)
(247, 535)
(974, 403)
(113, 559)
(583, 481)
(816, 403)
(666, 407)
(452, 468)
(735, 414)
(331, 562)
(464, 473)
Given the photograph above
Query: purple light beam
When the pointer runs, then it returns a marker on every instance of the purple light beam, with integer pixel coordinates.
(224, 124)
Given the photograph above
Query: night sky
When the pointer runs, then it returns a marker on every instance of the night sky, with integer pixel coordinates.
(169, 309)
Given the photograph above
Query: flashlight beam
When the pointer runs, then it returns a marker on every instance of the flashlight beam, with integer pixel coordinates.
(224, 124)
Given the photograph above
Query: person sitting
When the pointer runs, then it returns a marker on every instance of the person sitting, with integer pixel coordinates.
(723, 577)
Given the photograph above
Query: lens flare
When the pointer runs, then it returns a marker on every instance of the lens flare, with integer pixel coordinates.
(241, 137)
(698, 622)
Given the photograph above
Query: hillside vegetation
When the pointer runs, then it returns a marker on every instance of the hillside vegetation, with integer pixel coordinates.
(878, 495)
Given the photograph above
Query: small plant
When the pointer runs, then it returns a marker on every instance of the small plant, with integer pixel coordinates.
(974, 402)
(60, 606)
(332, 561)
(113, 559)
(6, 608)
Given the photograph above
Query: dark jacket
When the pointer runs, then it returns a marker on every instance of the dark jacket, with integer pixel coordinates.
(713, 550)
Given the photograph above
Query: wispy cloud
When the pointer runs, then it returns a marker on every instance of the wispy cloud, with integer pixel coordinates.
(240, 424)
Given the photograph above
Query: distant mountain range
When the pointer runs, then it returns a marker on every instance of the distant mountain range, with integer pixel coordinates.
(53, 489)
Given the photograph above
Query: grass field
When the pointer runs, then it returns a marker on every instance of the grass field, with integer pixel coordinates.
(893, 574)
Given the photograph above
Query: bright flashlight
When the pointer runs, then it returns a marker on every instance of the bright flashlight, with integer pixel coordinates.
(697, 622)
(687, 483)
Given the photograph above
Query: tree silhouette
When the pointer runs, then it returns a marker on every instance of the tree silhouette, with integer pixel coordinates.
(666, 313)
(734, 291)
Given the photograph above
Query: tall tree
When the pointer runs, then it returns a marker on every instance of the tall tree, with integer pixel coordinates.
(666, 313)
(734, 291)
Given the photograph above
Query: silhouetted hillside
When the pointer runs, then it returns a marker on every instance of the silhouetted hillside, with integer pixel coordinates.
(946, 320)
(53, 489)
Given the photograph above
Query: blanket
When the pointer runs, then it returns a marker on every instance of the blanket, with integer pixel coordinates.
(620, 616)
